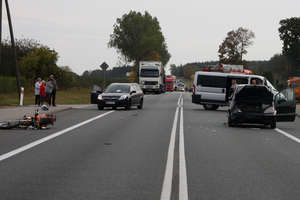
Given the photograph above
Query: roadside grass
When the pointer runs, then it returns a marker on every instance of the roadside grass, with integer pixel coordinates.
(69, 96)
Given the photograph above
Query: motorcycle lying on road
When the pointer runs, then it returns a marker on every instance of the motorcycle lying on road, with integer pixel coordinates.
(36, 121)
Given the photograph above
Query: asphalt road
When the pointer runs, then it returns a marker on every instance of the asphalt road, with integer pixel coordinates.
(172, 149)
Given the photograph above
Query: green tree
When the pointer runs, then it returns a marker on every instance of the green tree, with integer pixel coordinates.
(41, 62)
(188, 71)
(289, 33)
(23, 47)
(173, 69)
(137, 37)
(235, 45)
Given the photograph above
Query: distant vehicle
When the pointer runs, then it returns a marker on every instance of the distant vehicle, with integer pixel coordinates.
(151, 77)
(96, 90)
(212, 89)
(170, 83)
(121, 95)
(294, 82)
(180, 86)
(258, 104)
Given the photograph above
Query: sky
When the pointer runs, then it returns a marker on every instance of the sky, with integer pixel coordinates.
(80, 30)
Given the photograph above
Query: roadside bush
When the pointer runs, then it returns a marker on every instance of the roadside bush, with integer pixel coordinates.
(9, 84)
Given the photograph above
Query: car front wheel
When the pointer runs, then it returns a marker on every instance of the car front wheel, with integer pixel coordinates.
(140, 106)
(229, 121)
(100, 107)
(273, 124)
(128, 105)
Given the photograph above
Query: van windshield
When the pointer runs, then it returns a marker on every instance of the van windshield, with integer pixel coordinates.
(212, 81)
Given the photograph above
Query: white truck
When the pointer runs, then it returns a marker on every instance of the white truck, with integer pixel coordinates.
(151, 76)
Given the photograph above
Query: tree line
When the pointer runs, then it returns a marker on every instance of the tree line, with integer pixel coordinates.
(37, 60)
(277, 69)
(136, 36)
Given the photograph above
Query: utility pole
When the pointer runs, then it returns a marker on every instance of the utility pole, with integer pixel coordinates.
(0, 34)
(13, 47)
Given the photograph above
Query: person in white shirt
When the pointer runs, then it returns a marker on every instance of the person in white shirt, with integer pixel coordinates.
(37, 86)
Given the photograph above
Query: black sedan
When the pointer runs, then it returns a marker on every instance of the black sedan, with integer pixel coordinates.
(258, 104)
(121, 95)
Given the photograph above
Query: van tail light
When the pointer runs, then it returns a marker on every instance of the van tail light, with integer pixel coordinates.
(194, 89)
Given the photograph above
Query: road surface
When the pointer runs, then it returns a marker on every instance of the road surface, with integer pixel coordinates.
(172, 149)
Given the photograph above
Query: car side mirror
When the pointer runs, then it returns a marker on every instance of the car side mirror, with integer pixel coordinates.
(99, 91)
(132, 92)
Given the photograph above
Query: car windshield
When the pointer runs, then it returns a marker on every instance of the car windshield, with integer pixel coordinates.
(118, 89)
(149, 73)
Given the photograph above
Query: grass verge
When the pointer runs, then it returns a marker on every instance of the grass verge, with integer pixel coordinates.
(69, 96)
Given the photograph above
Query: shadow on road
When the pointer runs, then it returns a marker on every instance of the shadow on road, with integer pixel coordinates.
(203, 110)
(260, 126)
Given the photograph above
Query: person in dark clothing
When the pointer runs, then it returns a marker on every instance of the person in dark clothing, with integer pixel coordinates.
(53, 93)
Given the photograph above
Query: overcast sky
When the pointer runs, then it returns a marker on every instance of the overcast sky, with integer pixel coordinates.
(79, 30)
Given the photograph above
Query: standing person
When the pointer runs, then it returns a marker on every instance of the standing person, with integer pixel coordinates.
(49, 89)
(37, 86)
(53, 93)
(43, 96)
(232, 88)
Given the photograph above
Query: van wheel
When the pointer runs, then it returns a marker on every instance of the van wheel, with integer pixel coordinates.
(210, 107)
(215, 107)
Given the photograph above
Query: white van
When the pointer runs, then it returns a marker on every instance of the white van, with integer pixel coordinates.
(212, 89)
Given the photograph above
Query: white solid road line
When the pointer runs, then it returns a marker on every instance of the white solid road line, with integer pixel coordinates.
(45, 139)
(168, 178)
(288, 135)
(167, 184)
(183, 188)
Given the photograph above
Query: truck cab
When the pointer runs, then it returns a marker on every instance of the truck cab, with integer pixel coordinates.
(150, 76)
(170, 84)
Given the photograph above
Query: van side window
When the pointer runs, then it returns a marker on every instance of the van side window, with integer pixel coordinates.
(211, 81)
(241, 80)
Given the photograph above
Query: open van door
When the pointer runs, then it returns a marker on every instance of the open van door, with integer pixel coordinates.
(96, 90)
(212, 88)
(285, 105)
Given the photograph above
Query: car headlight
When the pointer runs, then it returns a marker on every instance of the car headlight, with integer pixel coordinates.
(123, 97)
(270, 110)
(99, 97)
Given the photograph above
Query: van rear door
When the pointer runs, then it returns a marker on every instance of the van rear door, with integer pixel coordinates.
(212, 88)
(285, 105)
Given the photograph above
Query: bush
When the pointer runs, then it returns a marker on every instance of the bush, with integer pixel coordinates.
(9, 84)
